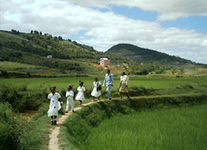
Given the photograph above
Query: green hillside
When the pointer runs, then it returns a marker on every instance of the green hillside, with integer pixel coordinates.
(147, 56)
(19, 50)
(67, 56)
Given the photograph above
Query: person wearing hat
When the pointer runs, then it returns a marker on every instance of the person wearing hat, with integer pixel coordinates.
(108, 81)
(123, 88)
(55, 104)
(69, 95)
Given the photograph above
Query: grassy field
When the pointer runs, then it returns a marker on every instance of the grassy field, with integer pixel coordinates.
(182, 128)
(31, 94)
(159, 85)
(26, 68)
(147, 82)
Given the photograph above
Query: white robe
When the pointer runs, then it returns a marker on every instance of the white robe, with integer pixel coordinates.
(80, 95)
(54, 104)
(69, 95)
(96, 93)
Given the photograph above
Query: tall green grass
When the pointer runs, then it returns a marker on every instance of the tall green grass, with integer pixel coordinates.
(36, 131)
(10, 131)
(17, 133)
(146, 86)
(182, 128)
(147, 82)
(22, 99)
(31, 94)
(80, 125)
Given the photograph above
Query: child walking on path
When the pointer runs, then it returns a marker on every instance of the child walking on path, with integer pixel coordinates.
(55, 105)
(97, 89)
(80, 96)
(69, 96)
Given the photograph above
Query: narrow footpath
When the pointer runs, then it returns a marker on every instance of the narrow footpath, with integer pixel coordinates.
(55, 130)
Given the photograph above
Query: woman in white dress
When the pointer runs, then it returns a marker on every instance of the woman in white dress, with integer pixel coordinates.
(55, 105)
(97, 89)
(80, 95)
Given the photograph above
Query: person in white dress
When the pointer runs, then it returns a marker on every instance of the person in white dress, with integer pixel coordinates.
(97, 89)
(69, 95)
(55, 105)
(80, 95)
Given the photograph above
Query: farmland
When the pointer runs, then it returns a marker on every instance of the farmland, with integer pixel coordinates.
(172, 128)
(23, 94)
(145, 81)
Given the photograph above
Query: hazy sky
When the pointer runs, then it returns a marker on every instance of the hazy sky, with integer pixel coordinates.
(175, 27)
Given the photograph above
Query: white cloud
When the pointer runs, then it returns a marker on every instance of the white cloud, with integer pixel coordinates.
(168, 9)
(106, 29)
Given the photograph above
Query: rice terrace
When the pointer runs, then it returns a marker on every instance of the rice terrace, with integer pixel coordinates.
(103, 75)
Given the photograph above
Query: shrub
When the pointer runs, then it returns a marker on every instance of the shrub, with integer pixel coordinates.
(10, 130)
(11, 95)
(21, 99)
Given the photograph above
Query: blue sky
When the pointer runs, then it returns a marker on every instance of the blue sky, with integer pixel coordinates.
(134, 13)
(197, 23)
(175, 27)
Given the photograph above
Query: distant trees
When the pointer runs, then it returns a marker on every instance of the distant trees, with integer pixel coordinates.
(146, 69)
(15, 31)
(60, 38)
(154, 69)
(36, 32)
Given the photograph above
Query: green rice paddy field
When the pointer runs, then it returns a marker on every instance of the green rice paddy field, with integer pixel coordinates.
(180, 128)
(171, 128)
(147, 82)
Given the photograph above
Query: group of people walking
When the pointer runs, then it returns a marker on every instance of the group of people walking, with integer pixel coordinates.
(55, 97)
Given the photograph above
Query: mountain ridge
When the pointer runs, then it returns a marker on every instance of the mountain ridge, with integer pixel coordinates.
(147, 56)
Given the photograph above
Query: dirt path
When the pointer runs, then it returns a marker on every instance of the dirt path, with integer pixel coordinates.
(55, 130)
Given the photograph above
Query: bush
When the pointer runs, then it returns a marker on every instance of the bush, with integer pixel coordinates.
(21, 99)
(12, 96)
(10, 130)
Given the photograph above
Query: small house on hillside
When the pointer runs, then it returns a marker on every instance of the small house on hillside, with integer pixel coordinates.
(104, 62)
(49, 56)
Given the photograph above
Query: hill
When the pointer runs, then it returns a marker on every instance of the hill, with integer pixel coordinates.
(25, 55)
(67, 56)
(147, 56)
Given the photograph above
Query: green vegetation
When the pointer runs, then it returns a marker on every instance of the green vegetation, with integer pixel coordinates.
(77, 132)
(153, 62)
(21, 99)
(159, 82)
(19, 95)
(25, 55)
(72, 58)
(147, 56)
(9, 130)
(19, 133)
(68, 56)
(160, 129)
